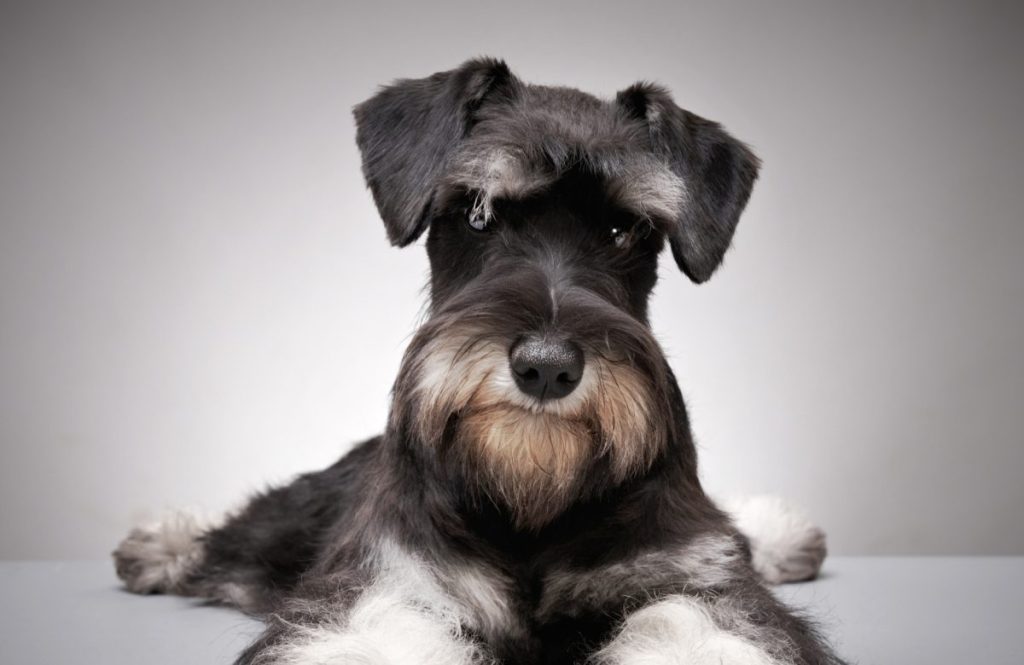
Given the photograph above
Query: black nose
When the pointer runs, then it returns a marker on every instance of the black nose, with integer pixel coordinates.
(546, 367)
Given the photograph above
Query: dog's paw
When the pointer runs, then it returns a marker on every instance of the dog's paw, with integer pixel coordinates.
(157, 557)
(679, 630)
(785, 545)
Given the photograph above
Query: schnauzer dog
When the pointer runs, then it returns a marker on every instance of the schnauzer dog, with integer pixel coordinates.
(535, 496)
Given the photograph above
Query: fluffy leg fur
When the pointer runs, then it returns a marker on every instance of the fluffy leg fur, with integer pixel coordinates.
(679, 631)
(160, 556)
(402, 615)
(785, 545)
(256, 557)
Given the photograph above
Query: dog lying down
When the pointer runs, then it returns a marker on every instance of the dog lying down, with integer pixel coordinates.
(534, 497)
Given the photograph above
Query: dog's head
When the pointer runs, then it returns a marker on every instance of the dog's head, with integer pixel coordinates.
(536, 373)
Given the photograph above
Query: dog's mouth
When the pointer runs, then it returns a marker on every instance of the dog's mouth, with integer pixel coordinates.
(540, 415)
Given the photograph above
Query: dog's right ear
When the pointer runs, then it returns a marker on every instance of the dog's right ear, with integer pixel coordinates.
(407, 132)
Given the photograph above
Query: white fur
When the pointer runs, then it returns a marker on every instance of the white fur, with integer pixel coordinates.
(476, 596)
(786, 545)
(384, 627)
(405, 617)
(484, 596)
(159, 555)
(678, 631)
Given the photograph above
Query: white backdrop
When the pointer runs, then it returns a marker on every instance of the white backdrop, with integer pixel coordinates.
(196, 296)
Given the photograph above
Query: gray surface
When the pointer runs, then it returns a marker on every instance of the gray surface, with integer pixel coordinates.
(74, 612)
(878, 610)
(928, 610)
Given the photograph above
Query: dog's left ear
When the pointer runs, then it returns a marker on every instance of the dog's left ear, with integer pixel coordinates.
(718, 173)
(407, 132)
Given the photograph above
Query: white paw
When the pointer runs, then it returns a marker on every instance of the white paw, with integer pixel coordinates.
(157, 557)
(678, 631)
(785, 544)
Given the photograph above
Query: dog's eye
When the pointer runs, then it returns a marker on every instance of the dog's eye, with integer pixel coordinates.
(479, 216)
(477, 222)
(625, 237)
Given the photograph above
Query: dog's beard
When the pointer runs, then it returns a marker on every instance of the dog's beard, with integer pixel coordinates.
(531, 463)
(533, 458)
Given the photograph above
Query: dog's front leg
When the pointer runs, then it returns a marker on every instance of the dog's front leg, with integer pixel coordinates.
(739, 625)
(398, 615)
(376, 631)
(680, 630)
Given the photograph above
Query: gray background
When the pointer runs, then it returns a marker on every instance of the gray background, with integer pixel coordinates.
(196, 296)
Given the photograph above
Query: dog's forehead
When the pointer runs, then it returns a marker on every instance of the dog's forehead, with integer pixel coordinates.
(574, 117)
(522, 145)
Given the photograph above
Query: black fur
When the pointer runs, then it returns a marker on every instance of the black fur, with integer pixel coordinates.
(298, 550)
(720, 169)
(407, 133)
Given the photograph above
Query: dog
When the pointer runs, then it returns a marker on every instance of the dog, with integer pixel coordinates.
(535, 496)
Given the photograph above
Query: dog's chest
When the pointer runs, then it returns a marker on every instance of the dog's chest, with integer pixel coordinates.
(565, 610)
(536, 617)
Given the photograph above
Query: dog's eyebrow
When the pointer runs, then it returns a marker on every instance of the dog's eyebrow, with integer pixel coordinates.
(640, 184)
(655, 194)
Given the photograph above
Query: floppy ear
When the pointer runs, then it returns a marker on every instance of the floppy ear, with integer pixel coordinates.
(718, 173)
(408, 130)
